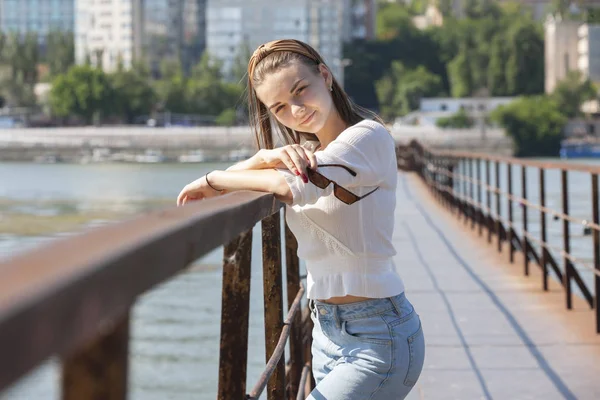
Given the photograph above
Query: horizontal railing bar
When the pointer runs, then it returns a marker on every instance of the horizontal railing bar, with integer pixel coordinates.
(511, 225)
(516, 161)
(72, 288)
(517, 199)
(279, 349)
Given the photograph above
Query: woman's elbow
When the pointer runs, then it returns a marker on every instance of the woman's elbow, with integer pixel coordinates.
(283, 192)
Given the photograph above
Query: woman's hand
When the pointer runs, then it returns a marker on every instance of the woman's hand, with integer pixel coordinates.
(197, 190)
(293, 157)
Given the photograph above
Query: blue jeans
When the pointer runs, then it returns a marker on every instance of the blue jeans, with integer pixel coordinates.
(368, 350)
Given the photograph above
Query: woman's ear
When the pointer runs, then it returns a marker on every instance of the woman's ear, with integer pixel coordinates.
(326, 74)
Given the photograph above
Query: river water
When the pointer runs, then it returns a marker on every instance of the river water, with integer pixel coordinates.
(175, 332)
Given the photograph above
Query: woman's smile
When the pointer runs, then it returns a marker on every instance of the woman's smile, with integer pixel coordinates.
(308, 119)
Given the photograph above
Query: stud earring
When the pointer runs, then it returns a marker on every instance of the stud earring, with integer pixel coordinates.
(331, 88)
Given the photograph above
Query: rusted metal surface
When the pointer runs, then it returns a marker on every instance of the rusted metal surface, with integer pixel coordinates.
(276, 358)
(293, 286)
(488, 200)
(273, 300)
(235, 315)
(596, 238)
(498, 208)
(99, 369)
(566, 239)
(510, 233)
(524, 211)
(56, 298)
(543, 233)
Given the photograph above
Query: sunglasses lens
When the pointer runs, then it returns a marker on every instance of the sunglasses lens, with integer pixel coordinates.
(344, 195)
(317, 179)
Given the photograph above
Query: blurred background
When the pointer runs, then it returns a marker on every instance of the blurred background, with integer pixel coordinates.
(109, 107)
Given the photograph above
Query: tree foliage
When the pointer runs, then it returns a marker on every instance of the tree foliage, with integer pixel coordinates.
(401, 89)
(83, 91)
(572, 92)
(534, 123)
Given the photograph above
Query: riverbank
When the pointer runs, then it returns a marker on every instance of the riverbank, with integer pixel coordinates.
(198, 144)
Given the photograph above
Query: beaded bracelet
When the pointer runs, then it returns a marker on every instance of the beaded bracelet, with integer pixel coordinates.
(212, 187)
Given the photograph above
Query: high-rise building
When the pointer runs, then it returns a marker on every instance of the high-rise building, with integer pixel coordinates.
(37, 16)
(359, 19)
(589, 51)
(570, 46)
(235, 25)
(112, 31)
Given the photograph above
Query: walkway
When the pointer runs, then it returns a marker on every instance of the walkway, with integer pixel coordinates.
(491, 332)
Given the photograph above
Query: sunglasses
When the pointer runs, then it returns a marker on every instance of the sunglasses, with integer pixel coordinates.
(339, 192)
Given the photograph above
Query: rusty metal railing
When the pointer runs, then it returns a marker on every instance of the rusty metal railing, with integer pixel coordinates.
(452, 178)
(72, 299)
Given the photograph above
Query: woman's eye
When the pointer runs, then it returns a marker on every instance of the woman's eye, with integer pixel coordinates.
(279, 109)
(299, 90)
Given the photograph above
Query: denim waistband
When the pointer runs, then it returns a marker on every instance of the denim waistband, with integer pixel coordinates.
(360, 309)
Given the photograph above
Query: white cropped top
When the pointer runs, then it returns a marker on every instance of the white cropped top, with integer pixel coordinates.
(348, 249)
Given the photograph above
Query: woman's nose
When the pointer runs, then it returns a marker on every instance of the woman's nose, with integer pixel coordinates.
(298, 110)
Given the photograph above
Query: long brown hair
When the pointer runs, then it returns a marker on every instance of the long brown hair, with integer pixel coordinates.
(271, 57)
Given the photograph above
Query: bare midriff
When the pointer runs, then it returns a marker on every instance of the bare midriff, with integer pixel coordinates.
(345, 299)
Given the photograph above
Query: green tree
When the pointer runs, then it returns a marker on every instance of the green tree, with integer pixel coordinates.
(60, 52)
(401, 89)
(227, 118)
(460, 75)
(83, 91)
(240, 63)
(134, 95)
(393, 20)
(572, 92)
(496, 77)
(458, 120)
(534, 123)
(525, 63)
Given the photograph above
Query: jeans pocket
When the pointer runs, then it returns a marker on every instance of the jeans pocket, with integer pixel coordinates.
(416, 356)
(368, 330)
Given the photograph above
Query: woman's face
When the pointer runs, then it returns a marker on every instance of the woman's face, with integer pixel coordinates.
(298, 96)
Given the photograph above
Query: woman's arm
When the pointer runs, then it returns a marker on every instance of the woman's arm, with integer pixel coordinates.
(293, 157)
(263, 180)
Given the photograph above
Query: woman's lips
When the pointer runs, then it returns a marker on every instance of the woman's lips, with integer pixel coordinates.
(307, 120)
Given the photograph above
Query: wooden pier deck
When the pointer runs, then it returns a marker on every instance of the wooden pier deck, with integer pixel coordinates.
(491, 332)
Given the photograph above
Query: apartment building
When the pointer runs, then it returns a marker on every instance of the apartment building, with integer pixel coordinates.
(109, 32)
(570, 46)
(236, 24)
(37, 16)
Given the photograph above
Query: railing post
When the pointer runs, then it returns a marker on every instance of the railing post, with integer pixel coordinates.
(498, 207)
(566, 239)
(235, 313)
(509, 234)
(471, 196)
(465, 190)
(292, 264)
(99, 370)
(273, 298)
(596, 236)
(479, 199)
(451, 193)
(543, 254)
(524, 241)
(488, 198)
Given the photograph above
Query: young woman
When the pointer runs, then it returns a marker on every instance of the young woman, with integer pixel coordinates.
(340, 196)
